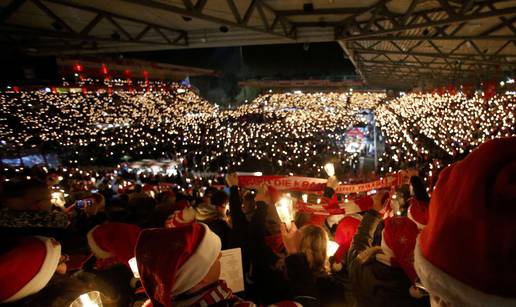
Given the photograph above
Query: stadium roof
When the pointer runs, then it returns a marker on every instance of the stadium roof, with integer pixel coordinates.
(392, 43)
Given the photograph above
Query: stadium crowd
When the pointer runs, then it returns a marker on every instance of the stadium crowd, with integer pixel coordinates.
(91, 235)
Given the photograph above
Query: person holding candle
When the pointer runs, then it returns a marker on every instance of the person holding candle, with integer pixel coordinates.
(307, 266)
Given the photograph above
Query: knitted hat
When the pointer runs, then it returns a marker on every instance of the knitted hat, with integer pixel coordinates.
(398, 240)
(466, 253)
(172, 261)
(418, 213)
(113, 243)
(26, 266)
(343, 236)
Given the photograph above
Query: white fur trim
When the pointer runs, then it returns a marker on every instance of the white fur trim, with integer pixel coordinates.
(47, 270)
(411, 217)
(451, 291)
(199, 264)
(334, 219)
(387, 254)
(97, 251)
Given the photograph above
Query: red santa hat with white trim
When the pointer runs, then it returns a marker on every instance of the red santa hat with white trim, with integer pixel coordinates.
(398, 240)
(113, 243)
(344, 234)
(181, 218)
(418, 213)
(174, 260)
(26, 266)
(466, 253)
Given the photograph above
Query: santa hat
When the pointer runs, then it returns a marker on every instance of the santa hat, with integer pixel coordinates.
(398, 240)
(344, 234)
(418, 213)
(181, 218)
(466, 253)
(113, 243)
(26, 266)
(172, 261)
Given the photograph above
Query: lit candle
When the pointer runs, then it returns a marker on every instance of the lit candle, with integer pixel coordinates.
(331, 248)
(134, 267)
(330, 169)
(89, 299)
(285, 210)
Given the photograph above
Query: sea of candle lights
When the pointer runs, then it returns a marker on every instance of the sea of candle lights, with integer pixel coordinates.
(430, 131)
(296, 132)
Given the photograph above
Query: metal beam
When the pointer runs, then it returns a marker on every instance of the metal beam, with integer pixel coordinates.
(10, 9)
(114, 15)
(351, 55)
(428, 23)
(22, 30)
(140, 35)
(455, 57)
(498, 27)
(263, 16)
(234, 11)
(436, 38)
(188, 4)
(163, 35)
(199, 6)
(322, 11)
(195, 14)
(249, 12)
(119, 27)
(414, 65)
(95, 21)
(52, 15)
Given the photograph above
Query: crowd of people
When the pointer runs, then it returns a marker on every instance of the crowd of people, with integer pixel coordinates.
(84, 234)
(288, 131)
(162, 247)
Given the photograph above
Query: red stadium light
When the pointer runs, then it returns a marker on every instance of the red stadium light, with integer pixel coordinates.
(104, 69)
(78, 67)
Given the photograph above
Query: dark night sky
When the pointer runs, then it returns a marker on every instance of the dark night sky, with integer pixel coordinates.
(269, 61)
(273, 62)
(287, 61)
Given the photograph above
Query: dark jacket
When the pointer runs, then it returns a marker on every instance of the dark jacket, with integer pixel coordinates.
(311, 290)
(221, 229)
(270, 284)
(376, 284)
